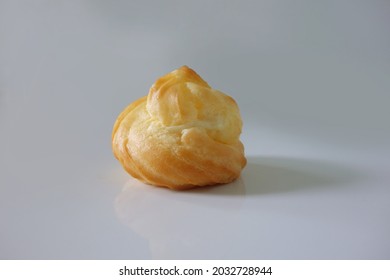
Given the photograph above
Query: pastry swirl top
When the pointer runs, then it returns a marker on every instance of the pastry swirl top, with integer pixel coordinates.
(181, 135)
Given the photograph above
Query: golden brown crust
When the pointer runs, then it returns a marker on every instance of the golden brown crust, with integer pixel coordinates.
(183, 134)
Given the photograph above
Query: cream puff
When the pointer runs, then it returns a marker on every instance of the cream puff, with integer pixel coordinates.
(183, 134)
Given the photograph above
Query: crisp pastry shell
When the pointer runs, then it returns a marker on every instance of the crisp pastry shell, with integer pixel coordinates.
(182, 135)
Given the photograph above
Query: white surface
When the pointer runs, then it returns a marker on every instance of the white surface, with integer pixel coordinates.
(312, 80)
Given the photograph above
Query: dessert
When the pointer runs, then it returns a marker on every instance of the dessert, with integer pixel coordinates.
(183, 134)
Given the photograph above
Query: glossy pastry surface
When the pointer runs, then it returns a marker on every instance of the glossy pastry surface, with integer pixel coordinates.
(183, 134)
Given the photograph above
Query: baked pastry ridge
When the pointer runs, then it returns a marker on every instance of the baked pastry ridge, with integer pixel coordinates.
(183, 134)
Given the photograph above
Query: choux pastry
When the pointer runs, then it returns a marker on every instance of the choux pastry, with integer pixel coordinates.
(182, 135)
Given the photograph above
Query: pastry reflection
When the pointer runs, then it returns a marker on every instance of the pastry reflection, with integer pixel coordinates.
(180, 225)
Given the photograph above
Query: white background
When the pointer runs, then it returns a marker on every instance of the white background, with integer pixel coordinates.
(312, 79)
(110, 269)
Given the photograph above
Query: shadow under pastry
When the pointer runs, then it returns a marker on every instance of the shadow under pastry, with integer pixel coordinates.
(271, 175)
